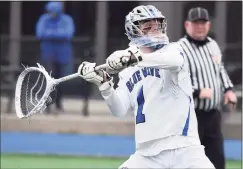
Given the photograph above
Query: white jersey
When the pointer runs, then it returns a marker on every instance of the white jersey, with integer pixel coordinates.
(158, 92)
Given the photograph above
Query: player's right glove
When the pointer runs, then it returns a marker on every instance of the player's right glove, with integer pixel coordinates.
(121, 59)
(88, 73)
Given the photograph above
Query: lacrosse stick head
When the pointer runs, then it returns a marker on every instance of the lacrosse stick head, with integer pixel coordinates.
(33, 89)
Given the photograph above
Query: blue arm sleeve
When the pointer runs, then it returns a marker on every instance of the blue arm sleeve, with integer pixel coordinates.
(40, 27)
(68, 29)
(41, 31)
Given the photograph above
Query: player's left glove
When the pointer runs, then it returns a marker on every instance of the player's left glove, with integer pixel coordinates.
(88, 73)
(121, 59)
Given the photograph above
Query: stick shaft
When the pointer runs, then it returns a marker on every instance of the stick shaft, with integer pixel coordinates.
(75, 75)
(103, 66)
(66, 78)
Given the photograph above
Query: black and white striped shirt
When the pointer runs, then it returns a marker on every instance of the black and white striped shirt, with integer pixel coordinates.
(207, 71)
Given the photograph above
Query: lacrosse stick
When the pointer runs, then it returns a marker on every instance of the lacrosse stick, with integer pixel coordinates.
(33, 89)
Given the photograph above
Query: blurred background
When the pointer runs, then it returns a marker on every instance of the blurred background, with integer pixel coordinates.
(82, 124)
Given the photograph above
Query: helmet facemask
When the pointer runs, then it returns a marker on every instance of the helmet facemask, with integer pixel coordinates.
(148, 33)
(146, 27)
(151, 28)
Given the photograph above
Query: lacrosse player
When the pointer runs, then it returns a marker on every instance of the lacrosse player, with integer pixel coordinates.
(155, 87)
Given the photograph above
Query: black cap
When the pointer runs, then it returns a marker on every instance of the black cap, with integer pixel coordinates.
(198, 13)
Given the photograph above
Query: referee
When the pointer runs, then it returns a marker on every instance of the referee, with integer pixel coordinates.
(209, 80)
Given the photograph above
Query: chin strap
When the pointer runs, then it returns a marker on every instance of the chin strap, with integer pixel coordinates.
(156, 47)
(149, 42)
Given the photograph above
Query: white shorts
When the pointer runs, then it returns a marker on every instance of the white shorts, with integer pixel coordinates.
(188, 157)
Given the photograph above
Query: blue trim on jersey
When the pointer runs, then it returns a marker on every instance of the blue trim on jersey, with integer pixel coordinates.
(182, 54)
(185, 129)
(140, 118)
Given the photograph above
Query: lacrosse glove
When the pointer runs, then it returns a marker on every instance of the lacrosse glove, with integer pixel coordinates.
(121, 59)
(88, 73)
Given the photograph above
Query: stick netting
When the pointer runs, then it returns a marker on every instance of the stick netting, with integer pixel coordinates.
(32, 90)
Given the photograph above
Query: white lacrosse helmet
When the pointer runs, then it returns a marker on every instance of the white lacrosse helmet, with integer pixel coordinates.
(136, 17)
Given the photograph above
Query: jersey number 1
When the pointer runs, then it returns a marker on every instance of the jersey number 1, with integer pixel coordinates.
(140, 118)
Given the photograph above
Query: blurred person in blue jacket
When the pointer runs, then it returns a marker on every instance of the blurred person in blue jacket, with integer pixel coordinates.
(55, 30)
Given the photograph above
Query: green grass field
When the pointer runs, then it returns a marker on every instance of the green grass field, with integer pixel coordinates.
(46, 161)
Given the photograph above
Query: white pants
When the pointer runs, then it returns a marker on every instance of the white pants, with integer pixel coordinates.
(188, 157)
